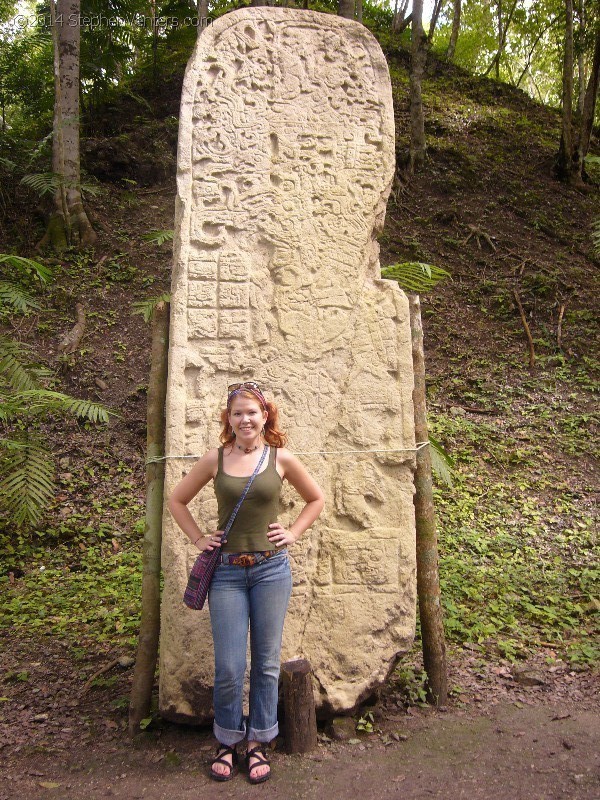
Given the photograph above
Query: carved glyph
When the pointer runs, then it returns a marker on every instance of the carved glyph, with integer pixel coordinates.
(286, 157)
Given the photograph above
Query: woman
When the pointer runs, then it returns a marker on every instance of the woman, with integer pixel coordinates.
(252, 584)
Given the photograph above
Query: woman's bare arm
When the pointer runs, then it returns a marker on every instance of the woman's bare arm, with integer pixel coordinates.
(295, 473)
(201, 473)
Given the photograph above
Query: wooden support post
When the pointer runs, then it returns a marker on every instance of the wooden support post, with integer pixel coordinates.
(428, 578)
(299, 705)
(147, 652)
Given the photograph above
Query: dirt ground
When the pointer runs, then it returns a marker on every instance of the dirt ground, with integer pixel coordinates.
(499, 737)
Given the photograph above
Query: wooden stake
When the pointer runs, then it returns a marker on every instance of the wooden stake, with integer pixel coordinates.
(299, 704)
(147, 652)
(428, 578)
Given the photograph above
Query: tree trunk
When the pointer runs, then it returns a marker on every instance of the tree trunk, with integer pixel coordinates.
(497, 59)
(434, 19)
(68, 223)
(399, 21)
(564, 161)
(202, 12)
(589, 104)
(359, 10)
(428, 579)
(502, 32)
(346, 8)
(299, 704)
(580, 59)
(147, 652)
(417, 69)
(455, 30)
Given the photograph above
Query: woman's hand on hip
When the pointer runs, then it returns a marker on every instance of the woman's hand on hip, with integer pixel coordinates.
(209, 541)
(279, 535)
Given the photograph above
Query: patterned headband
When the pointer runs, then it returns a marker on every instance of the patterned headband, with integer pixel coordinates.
(249, 386)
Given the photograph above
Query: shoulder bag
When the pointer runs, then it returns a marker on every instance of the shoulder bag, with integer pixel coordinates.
(204, 566)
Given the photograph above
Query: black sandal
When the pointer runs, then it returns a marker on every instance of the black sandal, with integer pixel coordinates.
(259, 754)
(223, 750)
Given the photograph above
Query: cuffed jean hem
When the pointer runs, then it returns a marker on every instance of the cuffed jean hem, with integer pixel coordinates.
(263, 736)
(227, 737)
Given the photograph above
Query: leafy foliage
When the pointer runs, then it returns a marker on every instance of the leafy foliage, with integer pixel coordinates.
(159, 237)
(596, 237)
(26, 477)
(146, 307)
(26, 465)
(414, 276)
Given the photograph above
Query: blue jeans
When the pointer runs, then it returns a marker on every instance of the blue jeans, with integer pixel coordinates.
(240, 596)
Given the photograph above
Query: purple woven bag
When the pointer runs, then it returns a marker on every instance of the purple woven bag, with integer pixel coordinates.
(202, 572)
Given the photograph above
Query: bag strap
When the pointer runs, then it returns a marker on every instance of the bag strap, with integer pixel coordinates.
(244, 493)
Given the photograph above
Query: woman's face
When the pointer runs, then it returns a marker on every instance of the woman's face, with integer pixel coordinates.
(247, 418)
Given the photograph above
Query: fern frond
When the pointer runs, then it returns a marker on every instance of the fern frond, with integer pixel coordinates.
(42, 182)
(146, 307)
(17, 372)
(596, 237)
(159, 237)
(441, 463)
(27, 266)
(26, 478)
(88, 188)
(44, 401)
(8, 165)
(414, 276)
(14, 296)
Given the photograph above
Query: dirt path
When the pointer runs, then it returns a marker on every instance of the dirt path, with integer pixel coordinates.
(529, 753)
(63, 737)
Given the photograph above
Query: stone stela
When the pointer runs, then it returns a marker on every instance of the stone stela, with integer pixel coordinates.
(286, 158)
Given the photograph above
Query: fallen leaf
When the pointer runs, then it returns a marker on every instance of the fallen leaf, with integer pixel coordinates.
(49, 785)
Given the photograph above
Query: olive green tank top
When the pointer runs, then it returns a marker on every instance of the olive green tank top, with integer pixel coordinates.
(248, 533)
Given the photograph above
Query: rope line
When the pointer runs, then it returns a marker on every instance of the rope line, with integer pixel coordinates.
(419, 446)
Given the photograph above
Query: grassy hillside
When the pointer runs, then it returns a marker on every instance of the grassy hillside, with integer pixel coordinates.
(518, 545)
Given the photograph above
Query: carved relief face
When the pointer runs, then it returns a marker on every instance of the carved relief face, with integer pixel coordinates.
(247, 418)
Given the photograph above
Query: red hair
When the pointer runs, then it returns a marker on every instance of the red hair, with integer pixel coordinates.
(271, 434)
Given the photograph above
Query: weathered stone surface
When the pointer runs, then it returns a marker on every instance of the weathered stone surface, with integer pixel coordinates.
(286, 158)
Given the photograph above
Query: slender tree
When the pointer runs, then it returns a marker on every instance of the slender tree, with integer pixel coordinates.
(428, 579)
(503, 26)
(455, 30)
(417, 69)
(400, 21)
(69, 223)
(435, 13)
(589, 105)
(147, 652)
(346, 8)
(564, 160)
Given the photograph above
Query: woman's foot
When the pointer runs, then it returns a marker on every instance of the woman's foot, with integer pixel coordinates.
(223, 767)
(259, 769)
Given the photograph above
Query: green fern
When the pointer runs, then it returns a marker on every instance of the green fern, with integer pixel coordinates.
(13, 296)
(41, 402)
(26, 477)
(8, 165)
(26, 267)
(49, 182)
(17, 373)
(159, 237)
(596, 237)
(42, 182)
(441, 463)
(26, 465)
(415, 277)
(146, 307)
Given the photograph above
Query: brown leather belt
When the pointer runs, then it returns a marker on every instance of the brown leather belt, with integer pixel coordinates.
(247, 559)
